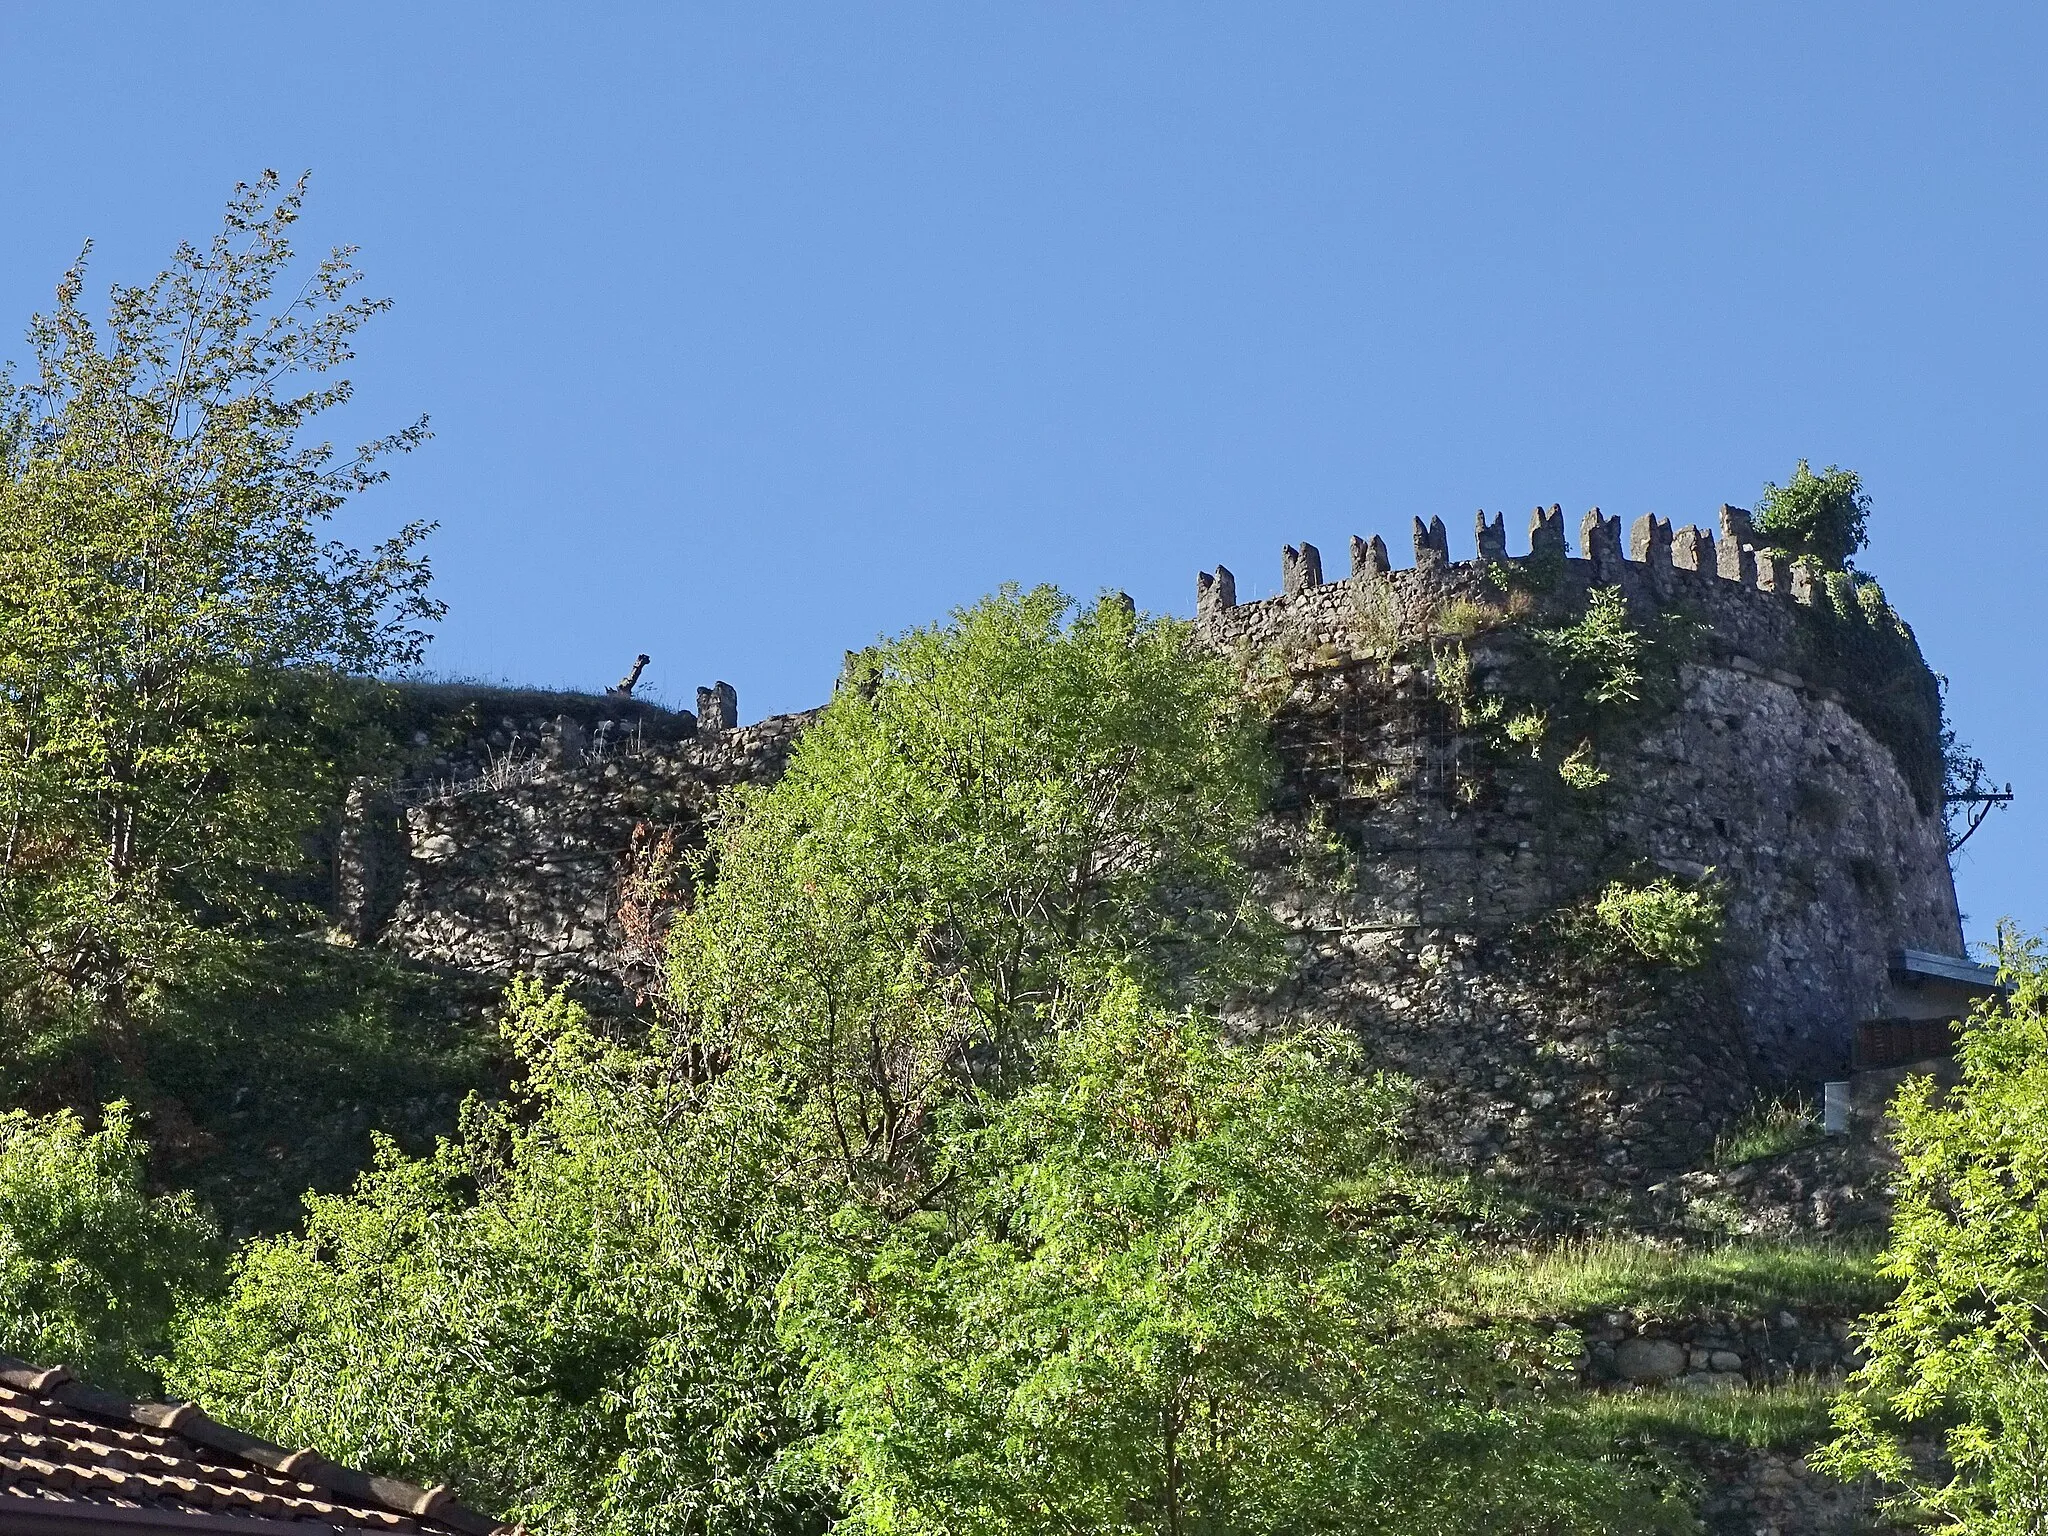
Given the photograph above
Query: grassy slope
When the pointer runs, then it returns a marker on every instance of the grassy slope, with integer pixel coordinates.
(1672, 1426)
(271, 1081)
(1609, 1274)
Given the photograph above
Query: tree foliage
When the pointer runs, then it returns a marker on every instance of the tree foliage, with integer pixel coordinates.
(1177, 1285)
(1963, 1352)
(941, 1203)
(992, 816)
(568, 1311)
(573, 1312)
(173, 628)
(1821, 516)
(92, 1266)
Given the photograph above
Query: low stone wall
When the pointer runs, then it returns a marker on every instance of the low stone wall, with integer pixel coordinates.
(1752, 1492)
(1745, 1490)
(1840, 1185)
(1716, 1353)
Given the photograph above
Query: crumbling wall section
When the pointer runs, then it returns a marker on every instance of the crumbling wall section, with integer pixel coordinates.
(525, 877)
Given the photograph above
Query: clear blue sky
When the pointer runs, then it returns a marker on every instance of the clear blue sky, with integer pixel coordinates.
(750, 332)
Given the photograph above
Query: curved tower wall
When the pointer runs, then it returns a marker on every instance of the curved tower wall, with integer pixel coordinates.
(1782, 766)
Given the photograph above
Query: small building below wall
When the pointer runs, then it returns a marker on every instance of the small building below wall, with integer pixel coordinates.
(1931, 995)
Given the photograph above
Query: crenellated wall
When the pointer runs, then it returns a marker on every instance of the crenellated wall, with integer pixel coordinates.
(1786, 763)
(1416, 866)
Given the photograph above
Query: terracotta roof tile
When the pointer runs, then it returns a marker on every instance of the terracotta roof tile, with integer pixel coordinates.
(74, 1459)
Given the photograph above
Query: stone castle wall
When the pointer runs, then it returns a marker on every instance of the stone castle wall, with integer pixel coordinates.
(1416, 877)
(502, 876)
(1829, 858)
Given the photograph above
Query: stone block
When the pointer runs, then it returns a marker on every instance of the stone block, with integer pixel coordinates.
(1738, 563)
(1692, 549)
(566, 742)
(718, 708)
(1369, 556)
(1546, 532)
(1649, 542)
(1432, 544)
(1650, 1361)
(1600, 539)
(1300, 569)
(1490, 536)
(1214, 594)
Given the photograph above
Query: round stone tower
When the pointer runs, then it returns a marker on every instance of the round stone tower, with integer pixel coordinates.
(1474, 751)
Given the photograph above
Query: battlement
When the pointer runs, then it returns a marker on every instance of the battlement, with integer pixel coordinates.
(1743, 589)
(1734, 556)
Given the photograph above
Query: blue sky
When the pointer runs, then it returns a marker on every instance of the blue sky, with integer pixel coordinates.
(750, 332)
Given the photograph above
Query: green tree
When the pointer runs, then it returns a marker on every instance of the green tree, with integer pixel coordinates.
(1821, 516)
(992, 816)
(573, 1311)
(92, 1266)
(173, 628)
(1180, 1286)
(568, 1311)
(1963, 1352)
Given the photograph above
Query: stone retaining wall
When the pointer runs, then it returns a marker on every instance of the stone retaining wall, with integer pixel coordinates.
(1716, 1353)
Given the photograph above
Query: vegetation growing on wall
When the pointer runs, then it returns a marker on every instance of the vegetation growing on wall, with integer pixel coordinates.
(1822, 518)
(1663, 922)
(1576, 688)
(1852, 643)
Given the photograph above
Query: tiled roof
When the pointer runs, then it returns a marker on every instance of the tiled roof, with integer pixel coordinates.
(76, 1461)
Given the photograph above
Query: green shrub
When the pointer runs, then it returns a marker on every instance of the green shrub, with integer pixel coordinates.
(1664, 922)
(1782, 1125)
(1960, 1353)
(1604, 657)
(1581, 769)
(1527, 728)
(92, 1266)
(1821, 516)
(1380, 624)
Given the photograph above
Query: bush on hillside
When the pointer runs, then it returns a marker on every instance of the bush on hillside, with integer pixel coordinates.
(1959, 1355)
(92, 1266)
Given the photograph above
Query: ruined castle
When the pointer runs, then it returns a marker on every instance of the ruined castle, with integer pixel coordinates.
(1793, 760)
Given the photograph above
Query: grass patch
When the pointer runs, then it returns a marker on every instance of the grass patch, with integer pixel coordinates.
(1769, 1130)
(1791, 1416)
(1607, 1274)
(270, 1081)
